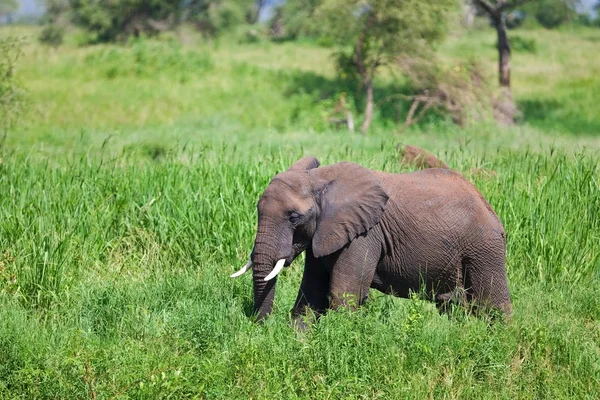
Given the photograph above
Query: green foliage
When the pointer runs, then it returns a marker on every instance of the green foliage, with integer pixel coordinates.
(118, 20)
(552, 13)
(121, 18)
(523, 45)
(389, 27)
(147, 59)
(56, 10)
(12, 96)
(297, 19)
(52, 35)
(383, 29)
(588, 20)
(213, 17)
(223, 15)
(378, 33)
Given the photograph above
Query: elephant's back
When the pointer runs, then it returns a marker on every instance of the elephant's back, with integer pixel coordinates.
(440, 197)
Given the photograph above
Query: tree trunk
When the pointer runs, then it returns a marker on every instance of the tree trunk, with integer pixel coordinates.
(369, 108)
(259, 6)
(503, 50)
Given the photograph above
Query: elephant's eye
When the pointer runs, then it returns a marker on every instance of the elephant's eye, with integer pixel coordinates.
(294, 217)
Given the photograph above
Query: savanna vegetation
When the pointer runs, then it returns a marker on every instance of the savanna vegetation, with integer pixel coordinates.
(129, 176)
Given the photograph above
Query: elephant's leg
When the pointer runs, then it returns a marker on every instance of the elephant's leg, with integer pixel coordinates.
(457, 295)
(353, 272)
(486, 281)
(312, 296)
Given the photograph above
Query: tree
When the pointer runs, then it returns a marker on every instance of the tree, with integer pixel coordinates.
(379, 31)
(118, 19)
(258, 7)
(496, 9)
(56, 11)
(214, 16)
(109, 20)
(55, 19)
(296, 18)
(552, 13)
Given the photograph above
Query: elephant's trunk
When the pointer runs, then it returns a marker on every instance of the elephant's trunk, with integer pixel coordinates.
(269, 254)
(264, 262)
(264, 291)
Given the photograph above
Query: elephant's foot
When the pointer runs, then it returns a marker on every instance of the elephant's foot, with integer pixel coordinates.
(446, 301)
(300, 324)
(301, 321)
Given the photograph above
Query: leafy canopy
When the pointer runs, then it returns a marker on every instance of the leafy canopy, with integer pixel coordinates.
(111, 19)
(385, 28)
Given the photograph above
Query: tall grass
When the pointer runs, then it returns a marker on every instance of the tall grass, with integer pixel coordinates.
(121, 270)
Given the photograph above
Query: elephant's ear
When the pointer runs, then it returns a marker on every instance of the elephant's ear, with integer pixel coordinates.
(351, 200)
(305, 163)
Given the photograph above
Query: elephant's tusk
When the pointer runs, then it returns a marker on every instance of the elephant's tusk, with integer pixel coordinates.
(242, 271)
(276, 270)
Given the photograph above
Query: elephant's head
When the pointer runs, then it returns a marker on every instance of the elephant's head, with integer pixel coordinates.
(306, 207)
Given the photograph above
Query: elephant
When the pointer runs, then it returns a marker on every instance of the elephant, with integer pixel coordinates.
(429, 230)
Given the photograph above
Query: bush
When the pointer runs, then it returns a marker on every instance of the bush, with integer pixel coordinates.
(294, 19)
(109, 21)
(552, 13)
(588, 20)
(52, 35)
(11, 94)
(460, 91)
(213, 17)
(523, 45)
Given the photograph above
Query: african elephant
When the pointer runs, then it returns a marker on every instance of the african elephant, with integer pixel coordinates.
(364, 229)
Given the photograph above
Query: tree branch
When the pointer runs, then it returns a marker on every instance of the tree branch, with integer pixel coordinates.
(410, 118)
(375, 65)
(485, 4)
(421, 98)
(517, 3)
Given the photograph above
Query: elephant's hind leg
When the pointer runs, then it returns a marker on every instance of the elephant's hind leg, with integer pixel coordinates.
(457, 295)
(485, 280)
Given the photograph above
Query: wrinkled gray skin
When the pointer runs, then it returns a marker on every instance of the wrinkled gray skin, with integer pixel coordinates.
(366, 229)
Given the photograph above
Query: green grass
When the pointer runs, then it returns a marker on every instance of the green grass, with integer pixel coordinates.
(128, 195)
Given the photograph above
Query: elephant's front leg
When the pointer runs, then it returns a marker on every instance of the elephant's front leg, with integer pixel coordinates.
(312, 297)
(353, 272)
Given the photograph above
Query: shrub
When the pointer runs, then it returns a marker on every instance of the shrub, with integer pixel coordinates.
(11, 93)
(552, 13)
(523, 45)
(460, 91)
(52, 35)
(111, 20)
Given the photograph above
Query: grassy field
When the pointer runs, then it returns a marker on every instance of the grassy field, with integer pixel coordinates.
(128, 193)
